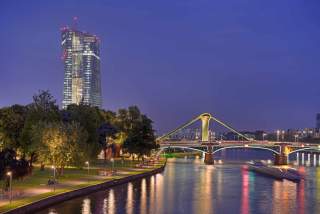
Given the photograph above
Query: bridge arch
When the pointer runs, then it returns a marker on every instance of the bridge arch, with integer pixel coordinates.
(303, 149)
(246, 147)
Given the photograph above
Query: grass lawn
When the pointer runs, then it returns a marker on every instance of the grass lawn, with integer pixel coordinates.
(72, 179)
(180, 154)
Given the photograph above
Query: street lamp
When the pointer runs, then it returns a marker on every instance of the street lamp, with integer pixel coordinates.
(10, 184)
(295, 137)
(112, 161)
(54, 177)
(283, 132)
(263, 135)
(88, 167)
(278, 134)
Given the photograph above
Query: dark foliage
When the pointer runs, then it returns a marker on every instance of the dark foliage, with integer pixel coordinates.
(9, 162)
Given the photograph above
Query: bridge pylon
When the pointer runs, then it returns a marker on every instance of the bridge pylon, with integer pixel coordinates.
(205, 119)
(208, 157)
(282, 158)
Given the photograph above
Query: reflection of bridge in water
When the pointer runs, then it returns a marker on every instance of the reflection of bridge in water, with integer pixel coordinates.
(281, 150)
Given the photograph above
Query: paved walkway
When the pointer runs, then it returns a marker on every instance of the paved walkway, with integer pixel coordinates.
(44, 188)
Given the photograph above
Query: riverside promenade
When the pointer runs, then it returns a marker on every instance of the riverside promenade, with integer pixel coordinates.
(34, 193)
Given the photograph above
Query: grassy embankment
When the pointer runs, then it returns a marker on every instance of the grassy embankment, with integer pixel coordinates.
(180, 154)
(34, 187)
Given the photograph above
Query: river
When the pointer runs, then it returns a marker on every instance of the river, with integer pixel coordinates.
(189, 186)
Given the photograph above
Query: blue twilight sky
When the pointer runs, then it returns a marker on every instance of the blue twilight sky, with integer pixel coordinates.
(254, 64)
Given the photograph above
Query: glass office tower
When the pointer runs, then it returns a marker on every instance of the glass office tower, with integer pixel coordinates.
(81, 57)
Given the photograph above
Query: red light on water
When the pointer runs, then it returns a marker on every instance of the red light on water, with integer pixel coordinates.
(245, 209)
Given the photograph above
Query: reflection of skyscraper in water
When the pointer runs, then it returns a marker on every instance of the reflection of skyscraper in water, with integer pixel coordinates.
(81, 57)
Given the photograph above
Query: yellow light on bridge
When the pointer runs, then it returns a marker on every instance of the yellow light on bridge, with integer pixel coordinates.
(302, 145)
(246, 145)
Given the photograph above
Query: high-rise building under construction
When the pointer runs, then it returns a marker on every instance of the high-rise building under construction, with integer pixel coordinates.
(81, 57)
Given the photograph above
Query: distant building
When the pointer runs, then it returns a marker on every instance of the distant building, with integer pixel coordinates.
(318, 121)
(81, 57)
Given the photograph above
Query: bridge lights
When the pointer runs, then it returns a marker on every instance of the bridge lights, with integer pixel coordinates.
(246, 145)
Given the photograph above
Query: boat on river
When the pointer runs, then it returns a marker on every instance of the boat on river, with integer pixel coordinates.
(264, 169)
(292, 174)
(278, 173)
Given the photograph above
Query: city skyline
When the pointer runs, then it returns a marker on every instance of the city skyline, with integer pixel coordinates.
(179, 61)
(143, 106)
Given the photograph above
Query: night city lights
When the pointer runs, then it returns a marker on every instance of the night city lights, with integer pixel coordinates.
(160, 107)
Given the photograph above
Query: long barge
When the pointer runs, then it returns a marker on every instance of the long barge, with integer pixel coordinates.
(278, 173)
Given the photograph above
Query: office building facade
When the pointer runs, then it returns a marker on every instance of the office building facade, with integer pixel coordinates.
(82, 78)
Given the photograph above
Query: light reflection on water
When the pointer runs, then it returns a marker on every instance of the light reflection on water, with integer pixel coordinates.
(189, 186)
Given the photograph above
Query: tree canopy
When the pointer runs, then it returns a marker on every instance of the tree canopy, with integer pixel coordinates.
(42, 132)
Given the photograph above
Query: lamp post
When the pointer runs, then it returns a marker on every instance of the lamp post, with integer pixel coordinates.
(283, 132)
(54, 178)
(263, 135)
(88, 167)
(112, 161)
(295, 137)
(278, 134)
(10, 184)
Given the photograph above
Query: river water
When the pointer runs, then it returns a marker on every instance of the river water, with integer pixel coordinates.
(189, 186)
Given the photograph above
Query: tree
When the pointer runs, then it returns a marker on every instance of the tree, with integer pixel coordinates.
(126, 120)
(9, 162)
(90, 120)
(12, 120)
(43, 109)
(63, 144)
(141, 139)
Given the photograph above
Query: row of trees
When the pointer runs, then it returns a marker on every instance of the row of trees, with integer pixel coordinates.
(42, 132)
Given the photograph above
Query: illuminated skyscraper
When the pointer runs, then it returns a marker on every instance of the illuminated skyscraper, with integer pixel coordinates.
(81, 57)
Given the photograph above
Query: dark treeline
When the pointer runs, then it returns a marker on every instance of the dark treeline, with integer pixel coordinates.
(41, 132)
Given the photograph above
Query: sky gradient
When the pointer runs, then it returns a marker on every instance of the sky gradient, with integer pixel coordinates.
(253, 64)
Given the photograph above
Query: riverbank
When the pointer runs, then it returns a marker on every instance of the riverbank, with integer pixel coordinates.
(38, 195)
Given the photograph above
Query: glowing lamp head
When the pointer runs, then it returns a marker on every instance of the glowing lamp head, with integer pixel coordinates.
(9, 173)
(246, 145)
(87, 162)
